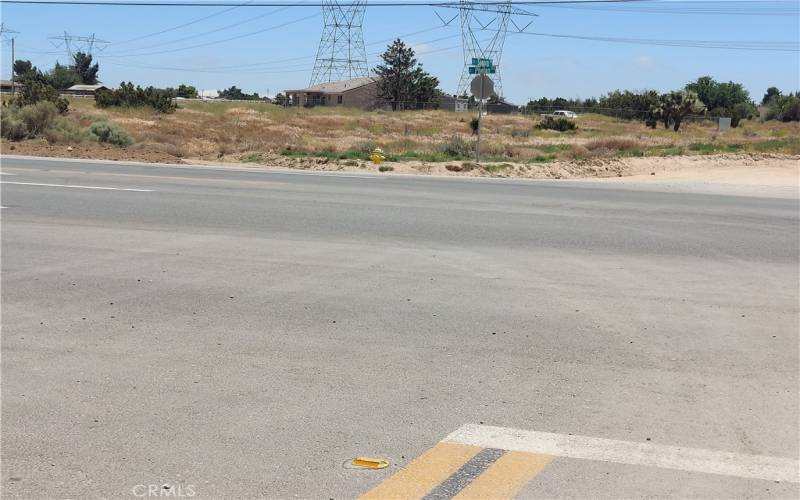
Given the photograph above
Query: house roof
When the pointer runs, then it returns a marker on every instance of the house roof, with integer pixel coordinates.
(87, 88)
(337, 87)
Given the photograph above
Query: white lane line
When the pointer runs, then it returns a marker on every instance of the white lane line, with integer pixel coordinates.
(76, 186)
(628, 452)
(6, 173)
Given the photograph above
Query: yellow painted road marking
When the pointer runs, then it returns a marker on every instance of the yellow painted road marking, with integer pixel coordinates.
(506, 476)
(424, 473)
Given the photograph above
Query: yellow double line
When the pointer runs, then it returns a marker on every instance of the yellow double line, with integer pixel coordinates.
(459, 471)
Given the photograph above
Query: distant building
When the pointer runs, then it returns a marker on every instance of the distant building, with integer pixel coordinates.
(7, 86)
(452, 103)
(84, 90)
(355, 93)
(501, 108)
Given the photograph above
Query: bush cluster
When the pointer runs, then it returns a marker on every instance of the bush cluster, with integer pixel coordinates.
(27, 122)
(559, 124)
(129, 96)
(111, 133)
(785, 108)
(456, 148)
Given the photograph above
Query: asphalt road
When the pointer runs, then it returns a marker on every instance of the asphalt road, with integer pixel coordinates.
(245, 334)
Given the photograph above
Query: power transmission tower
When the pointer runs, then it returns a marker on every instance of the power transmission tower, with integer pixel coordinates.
(78, 43)
(491, 49)
(341, 54)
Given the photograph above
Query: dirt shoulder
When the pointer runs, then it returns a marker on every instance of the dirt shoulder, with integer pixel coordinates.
(745, 169)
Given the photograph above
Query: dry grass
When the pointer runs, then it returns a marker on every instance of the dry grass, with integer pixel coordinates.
(214, 130)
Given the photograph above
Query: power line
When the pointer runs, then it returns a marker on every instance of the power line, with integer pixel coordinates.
(776, 46)
(214, 42)
(205, 33)
(173, 28)
(702, 7)
(273, 62)
(136, 3)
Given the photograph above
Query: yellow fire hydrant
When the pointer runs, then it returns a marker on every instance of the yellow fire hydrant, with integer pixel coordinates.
(377, 156)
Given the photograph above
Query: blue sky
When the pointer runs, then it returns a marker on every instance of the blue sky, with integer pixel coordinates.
(532, 66)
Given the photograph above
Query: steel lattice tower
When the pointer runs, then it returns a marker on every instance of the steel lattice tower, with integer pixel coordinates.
(488, 49)
(341, 54)
(78, 43)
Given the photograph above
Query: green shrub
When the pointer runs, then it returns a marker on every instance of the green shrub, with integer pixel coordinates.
(11, 126)
(38, 117)
(129, 96)
(66, 131)
(558, 124)
(385, 168)
(110, 133)
(456, 148)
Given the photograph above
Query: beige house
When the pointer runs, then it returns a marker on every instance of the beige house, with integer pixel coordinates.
(84, 90)
(355, 93)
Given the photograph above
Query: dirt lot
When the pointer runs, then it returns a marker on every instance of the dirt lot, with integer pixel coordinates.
(256, 135)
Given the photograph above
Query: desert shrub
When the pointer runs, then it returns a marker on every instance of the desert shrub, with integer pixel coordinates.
(11, 126)
(741, 111)
(474, 125)
(366, 147)
(456, 148)
(111, 133)
(784, 108)
(558, 124)
(66, 131)
(385, 168)
(38, 117)
(129, 96)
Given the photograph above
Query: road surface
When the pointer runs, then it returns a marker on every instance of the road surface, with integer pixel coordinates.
(221, 332)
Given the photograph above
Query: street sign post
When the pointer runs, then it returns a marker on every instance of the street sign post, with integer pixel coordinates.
(482, 87)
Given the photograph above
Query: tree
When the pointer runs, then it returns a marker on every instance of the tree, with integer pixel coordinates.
(235, 93)
(674, 106)
(62, 77)
(187, 91)
(401, 80)
(23, 68)
(280, 99)
(129, 96)
(771, 93)
(36, 89)
(719, 97)
(85, 69)
(785, 108)
(426, 89)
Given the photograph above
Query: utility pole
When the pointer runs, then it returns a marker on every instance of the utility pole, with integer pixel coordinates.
(480, 109)
(482, 87)
(4, 32)
(13, 58)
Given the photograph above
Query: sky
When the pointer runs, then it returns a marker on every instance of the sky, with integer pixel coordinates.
(270, 49)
